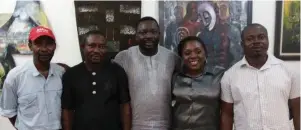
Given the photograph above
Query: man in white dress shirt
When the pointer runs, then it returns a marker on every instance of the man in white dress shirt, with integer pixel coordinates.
(149, 68)
(257, 89)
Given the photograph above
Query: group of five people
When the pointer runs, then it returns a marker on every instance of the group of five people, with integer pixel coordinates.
(148, 87)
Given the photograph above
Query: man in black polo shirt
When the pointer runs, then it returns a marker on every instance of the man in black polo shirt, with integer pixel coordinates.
(95, 92)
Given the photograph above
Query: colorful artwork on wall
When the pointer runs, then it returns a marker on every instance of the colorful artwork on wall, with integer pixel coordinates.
(27, 14)
(217, 23)
(287, 30)
(14, 30)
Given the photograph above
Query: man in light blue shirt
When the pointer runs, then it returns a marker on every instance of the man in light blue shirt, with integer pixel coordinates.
(32, 92)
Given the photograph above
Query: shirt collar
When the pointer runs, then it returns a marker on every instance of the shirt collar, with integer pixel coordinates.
(206, 72)
(35, 72)
(272, 60)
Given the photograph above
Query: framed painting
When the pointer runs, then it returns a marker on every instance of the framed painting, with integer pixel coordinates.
(15, 26)
(287, 30)
(115, 19)
(217, 23)
(14, 30)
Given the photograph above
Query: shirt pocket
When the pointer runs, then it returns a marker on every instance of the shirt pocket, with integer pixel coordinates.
(28, 105)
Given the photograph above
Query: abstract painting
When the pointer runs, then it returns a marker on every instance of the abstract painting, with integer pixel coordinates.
(115, 19)
(217, 23)
(14, 31)
(287, 30)
(27, 14)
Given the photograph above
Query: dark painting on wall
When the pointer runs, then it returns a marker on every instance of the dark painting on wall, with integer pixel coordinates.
(217, 23)
(115, 19)
(287, 30)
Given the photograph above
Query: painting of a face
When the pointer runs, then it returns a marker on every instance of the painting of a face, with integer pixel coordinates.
(207, 18)
(179, 13)
(207, 15)
(224, 10)
(218, 26)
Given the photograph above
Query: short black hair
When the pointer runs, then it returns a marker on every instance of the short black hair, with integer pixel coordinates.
(91, 32)
(250, 26)
(147, 18)
(188, 39)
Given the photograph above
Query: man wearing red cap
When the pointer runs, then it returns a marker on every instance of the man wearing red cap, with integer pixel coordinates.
(31, 92)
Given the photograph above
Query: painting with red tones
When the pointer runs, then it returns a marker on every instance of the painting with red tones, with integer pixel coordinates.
(217, 23)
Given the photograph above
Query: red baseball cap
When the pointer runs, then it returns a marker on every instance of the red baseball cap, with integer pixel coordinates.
(39, 31)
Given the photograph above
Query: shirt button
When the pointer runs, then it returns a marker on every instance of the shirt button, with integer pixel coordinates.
(94, 83)
(93, 73)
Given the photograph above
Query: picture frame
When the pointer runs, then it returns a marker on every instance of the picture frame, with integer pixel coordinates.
(217, 23)
(287, 30)
(115, 19)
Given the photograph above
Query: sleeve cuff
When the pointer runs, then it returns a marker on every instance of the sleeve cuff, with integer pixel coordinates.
(8, 113)
(293, 97)
(67, 107)
(124, 101)
(226, 100)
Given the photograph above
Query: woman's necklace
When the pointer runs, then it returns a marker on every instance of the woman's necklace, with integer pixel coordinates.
(195, 76)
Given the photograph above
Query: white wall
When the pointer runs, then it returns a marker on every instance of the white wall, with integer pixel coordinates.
(61, 16)
(264, 13)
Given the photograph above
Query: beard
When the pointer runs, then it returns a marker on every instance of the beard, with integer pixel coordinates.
(148, 44)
